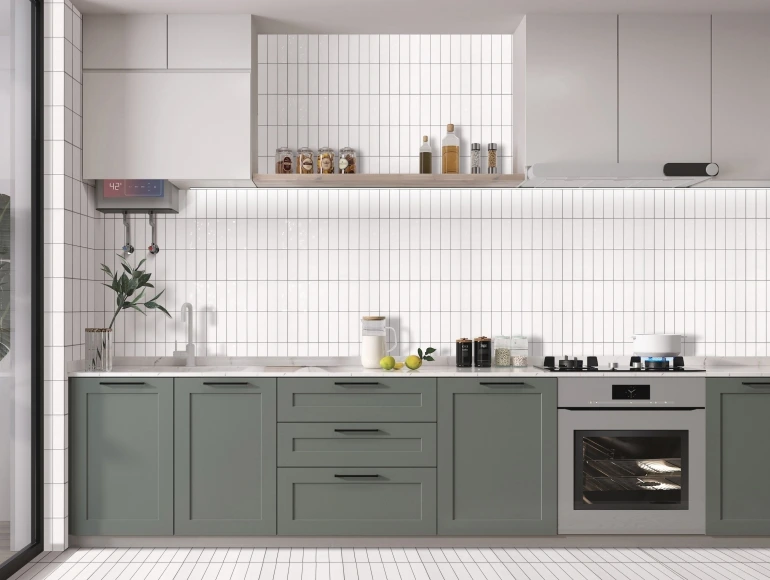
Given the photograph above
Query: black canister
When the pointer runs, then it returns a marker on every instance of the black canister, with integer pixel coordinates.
(482, 351)
(464, 352)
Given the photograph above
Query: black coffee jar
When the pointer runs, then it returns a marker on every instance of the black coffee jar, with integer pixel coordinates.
(482, 351)
(464, 352)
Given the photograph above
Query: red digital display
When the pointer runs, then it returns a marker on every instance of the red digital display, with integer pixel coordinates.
(116, 188)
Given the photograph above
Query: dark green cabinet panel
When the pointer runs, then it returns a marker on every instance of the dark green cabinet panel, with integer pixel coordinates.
(357, 502)
(357, 445)
(343, 399)
(737, 465)
(225, 456)
(121, 462)
(497, 444)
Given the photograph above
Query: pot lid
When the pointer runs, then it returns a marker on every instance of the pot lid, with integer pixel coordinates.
(373, 318)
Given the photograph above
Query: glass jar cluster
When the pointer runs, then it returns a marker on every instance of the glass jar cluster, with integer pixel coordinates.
(307, 162)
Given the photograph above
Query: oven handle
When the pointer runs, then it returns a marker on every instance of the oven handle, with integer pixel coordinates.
(755, 384)
(631, 408)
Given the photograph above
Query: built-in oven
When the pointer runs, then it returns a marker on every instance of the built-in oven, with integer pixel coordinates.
(632, 455)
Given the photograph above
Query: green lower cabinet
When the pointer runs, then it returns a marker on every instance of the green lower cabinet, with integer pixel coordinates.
(497, 443)
(357, 501)
(737, 460)
(122, 453)
(225, 457)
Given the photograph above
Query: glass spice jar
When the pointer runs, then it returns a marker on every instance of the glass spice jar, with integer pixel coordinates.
(305, 164)
(284, 160)
(492, 158)
(502, 351)
(347, 162)
(325, 160)
(475, 157)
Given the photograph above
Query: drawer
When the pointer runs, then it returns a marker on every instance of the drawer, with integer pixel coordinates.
(357, 400)
(357, 502)
(357, 444)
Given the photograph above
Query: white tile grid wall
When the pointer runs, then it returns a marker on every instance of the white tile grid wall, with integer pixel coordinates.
(69, 243)
(381, 93)
(577, 271)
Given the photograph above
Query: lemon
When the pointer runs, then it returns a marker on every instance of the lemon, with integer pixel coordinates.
(414, 362)
(387, 363)
(399, 366)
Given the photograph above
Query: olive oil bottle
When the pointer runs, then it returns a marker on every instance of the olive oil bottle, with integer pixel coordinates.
(450, 151)
(426, 156)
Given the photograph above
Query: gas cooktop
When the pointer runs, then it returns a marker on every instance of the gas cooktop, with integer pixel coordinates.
(636, 364)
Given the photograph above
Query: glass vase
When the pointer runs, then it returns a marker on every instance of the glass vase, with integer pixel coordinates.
(99, 349)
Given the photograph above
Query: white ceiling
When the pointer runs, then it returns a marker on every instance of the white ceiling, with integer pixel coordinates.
(409, 16)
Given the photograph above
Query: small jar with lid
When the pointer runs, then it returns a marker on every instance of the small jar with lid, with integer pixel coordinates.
(325, 160)
(502, 351)
(305, 165)
(464, 352)
(492, 158)
(475, 157)
(347, 162)
(482, 352)
(284, 160)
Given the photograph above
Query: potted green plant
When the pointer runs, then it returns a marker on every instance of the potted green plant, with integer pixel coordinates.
(129, 290)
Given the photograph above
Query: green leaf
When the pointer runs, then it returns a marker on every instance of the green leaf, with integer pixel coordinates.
(127, 268)
(429, 350)
(138, 298)
(158, 296)
(148, 285)
(419, 352)
(143, 279)
(429, 358)
(135, 307)
(139, 265)
(163, 310)
(106, 270)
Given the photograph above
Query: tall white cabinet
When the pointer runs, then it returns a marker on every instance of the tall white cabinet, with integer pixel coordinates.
(741, 93)
(190, 120)
(664, 88)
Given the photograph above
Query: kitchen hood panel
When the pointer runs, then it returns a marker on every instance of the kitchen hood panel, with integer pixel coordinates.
(612, 176)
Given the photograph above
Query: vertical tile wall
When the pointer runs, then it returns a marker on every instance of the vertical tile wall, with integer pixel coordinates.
(69, 243)
(381, 93)
(290, 272)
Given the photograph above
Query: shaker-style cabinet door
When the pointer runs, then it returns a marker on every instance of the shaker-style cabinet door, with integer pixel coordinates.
(497, 456)
(121, 457)
(737, 470)
(224, 456)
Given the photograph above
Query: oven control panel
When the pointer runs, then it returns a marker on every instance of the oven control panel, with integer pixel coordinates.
(637, 392)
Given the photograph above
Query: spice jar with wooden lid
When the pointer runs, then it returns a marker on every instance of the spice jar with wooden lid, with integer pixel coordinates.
(347, 162)
(284, 160)
(482, 351)
(326, 160)
(305, 165)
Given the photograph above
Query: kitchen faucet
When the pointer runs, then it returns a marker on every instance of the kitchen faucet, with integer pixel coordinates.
(187, 316)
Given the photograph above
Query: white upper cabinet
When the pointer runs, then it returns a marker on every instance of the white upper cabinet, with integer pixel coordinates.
(122, 41)
(664, 88)
(182, 126)
(210, 41)
(571, 88)
(741, 95)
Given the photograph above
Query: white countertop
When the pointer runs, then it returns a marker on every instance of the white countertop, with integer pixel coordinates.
(230, 367)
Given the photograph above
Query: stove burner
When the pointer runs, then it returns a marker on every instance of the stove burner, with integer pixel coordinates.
(656, 363)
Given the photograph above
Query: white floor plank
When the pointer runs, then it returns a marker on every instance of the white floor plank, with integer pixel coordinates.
(212, 571)
(350, 571)
(391, 571)
(258, 555)
(240, 571)
(378, 571)
(226, 571)
(232, 555)
(373, 555)
(308, 555)
(267, 571)
(170, 571)
(102, 571)
(322, 555)
(185, 570)
(515, 569)
(181, 555)
(336, 570)
(348, 555)
(271, 555)
(254, 571)
(360, 554)
(335, 555)
(297, 555)
(308, 571)
(157, 571)
(433, 571)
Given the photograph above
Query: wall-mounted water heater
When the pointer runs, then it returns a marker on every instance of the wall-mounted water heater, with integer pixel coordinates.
(136, 196)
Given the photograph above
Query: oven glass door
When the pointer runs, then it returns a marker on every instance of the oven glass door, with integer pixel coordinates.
(631, 470)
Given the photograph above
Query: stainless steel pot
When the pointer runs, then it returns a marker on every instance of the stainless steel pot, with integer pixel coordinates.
(657, 344)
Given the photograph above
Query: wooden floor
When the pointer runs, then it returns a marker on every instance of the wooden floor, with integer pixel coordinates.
(399, 564)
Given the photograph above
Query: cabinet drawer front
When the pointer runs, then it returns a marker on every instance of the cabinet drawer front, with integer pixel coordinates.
(362, 501)
(356, 399)
(357, 444)
(121, 442)
(224, 456)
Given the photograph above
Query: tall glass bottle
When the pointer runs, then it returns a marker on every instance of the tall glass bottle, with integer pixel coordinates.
(450, 151)
(426, 156)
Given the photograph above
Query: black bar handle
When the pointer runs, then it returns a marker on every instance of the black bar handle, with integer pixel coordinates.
(504, 385)
(122, 383)
(356, 430)
(755, 384)
(359, 476)
(227, 384)
(364, 384)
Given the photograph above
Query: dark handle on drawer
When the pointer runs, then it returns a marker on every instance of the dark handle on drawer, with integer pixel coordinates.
(359, 476)
(227, 384)
(356, 430)
(122, 384)
(370, 384)
(505, 385)
(750, 384)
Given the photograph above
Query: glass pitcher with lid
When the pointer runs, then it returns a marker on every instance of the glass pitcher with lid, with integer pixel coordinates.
(373, 341)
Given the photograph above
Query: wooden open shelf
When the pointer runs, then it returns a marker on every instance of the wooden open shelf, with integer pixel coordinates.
(387, 181)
